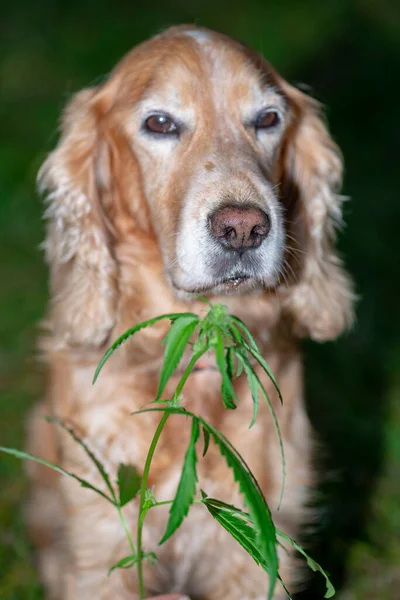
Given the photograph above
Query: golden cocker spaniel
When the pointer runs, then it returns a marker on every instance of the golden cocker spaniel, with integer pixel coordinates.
(195, 168)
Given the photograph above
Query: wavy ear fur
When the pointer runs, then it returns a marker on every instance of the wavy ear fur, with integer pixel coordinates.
(321, 302)
(83, 271)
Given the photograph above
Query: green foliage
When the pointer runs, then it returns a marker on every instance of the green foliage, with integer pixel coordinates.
(239, 524)
(46, 463)
(125, 563)
(206, 441)
(128, 483)
(252, 494)
(130, 561)
(97, 463)
(220, 332)
(224, 364)
(176, 340)
(129, 333)
(186, 488)
(254, 500)
(255, 531)
(330, 590)
(255, 384)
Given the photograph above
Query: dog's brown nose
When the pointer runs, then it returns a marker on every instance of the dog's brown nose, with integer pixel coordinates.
(239, 228)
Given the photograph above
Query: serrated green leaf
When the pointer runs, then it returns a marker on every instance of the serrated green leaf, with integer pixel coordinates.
(252, 347)
(129, 561)
(249, 369)
(125, 563)
(330, 590)
(256, 354)
(284, 587)
(220, 505)
(255, 501)
(129, 333)
(230, 364)
(239, 370)
(99, 466)
(41, 461)
(254, 392)
(238, 524)
(186, 487)
(227, 391)
(245, 329)
(253, 496)
(176, 340)
(235, 333)
(206, 441)
(128, 483)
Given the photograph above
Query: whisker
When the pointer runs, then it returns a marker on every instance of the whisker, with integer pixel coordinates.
(291, 237)
(293, 254)
(289, 266)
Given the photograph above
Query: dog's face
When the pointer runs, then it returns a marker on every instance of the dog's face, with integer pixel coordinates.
(196, 140)
(207, 133)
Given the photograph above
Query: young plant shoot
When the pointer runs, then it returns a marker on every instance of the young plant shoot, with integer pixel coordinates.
(235, 353)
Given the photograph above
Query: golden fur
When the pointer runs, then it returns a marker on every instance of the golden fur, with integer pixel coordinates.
(124, 211)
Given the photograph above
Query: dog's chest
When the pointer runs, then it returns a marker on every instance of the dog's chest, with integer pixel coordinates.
(117, 434)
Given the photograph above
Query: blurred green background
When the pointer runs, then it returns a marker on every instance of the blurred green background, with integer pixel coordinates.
(349, 55)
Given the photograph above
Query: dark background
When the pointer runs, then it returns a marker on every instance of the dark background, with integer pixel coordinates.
(349, 55)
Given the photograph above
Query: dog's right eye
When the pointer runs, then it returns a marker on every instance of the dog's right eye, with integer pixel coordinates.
(161, 123)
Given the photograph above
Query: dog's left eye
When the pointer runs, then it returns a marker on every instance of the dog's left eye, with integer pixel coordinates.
(161, 123)
(267, 119)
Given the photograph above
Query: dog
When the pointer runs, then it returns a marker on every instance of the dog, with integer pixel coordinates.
(194, 169)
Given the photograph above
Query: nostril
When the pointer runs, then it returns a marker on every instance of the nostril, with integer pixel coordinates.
(229, 234)
(239, 228)
(261, 230)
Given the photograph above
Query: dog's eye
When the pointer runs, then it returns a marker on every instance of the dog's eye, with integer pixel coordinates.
(161, 124)
(267, 119)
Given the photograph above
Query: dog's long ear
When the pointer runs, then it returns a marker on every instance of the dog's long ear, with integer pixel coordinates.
(321, 302)
(82, 269)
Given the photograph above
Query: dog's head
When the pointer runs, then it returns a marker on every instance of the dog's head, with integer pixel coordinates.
(195, 142)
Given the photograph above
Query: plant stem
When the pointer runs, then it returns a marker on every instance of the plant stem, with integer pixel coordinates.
(147, 465)
(145, 477)
(161, 503)
(171, 501)
(126, 529)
